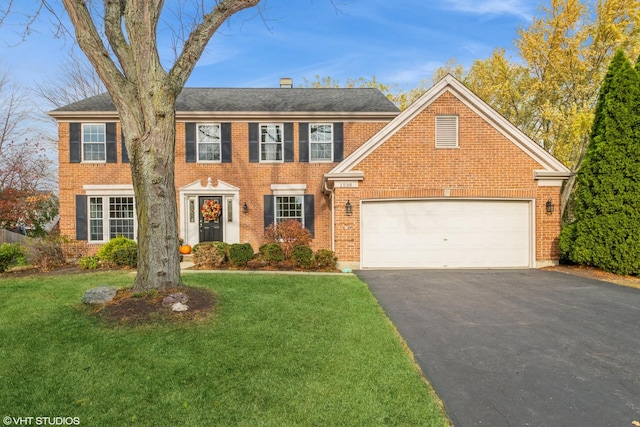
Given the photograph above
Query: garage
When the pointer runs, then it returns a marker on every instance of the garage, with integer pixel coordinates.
(446, 234)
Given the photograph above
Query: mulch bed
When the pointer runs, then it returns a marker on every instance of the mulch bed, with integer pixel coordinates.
(129, 307)
(597, 274)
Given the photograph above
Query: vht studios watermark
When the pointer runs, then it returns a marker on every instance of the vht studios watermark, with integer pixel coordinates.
(41, 421)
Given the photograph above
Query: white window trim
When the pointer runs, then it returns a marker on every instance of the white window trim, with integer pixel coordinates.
(311, 159)
(443, 127)
(261, 143)
(106, 225)
(82, 142)
(288, 189)
(198, 142)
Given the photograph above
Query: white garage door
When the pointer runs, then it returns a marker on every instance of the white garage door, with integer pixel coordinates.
(446, 234)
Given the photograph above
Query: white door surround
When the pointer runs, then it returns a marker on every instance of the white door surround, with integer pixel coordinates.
(189, 210)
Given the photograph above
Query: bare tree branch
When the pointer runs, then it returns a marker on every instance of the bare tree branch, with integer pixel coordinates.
(199, 38)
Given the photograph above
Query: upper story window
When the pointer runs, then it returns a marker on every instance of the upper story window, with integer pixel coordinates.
(271, 142)
(447, 131)
(320, 142)
(208, 142)
(93, 142)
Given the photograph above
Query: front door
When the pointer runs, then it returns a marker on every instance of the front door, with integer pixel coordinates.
(211, 218)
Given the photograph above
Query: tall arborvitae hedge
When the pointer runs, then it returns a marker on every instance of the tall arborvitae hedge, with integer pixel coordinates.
(606, 229)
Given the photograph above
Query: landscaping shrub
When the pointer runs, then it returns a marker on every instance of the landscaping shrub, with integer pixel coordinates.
(89, 262)
(287, 234)
(10, 255)
(302, 256)
(210, 254)
(45, 253)
(125, 256)
(325, 260)
(240, 254)
(272, 253)
(106, 252)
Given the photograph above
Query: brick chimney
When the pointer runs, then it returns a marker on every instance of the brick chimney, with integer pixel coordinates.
(286, 82)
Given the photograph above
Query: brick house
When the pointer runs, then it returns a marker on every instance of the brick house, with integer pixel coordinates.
(446, 183)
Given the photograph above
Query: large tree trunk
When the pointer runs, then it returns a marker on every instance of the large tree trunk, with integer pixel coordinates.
(150, 140)
(145, 95)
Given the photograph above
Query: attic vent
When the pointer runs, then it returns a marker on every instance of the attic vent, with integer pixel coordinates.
(446, 131)
(286, 83)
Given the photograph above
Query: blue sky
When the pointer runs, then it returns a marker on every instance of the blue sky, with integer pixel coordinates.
(400, 42)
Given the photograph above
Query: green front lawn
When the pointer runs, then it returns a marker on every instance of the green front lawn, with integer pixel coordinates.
(280, 350)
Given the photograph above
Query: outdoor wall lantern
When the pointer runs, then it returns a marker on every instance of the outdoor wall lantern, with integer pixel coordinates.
(348, 208)
(245, 208)
(549, 206)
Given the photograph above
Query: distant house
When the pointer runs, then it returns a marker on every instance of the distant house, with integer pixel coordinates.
(446, 183)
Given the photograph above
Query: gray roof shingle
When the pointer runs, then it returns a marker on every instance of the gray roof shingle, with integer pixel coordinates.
(330, 100)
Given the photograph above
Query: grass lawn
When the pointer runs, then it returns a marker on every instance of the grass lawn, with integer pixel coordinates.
(280, 350)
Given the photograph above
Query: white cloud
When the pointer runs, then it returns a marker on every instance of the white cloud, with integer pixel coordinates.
(520, 8)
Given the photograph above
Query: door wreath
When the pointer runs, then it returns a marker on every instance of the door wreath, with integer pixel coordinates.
(211, 210)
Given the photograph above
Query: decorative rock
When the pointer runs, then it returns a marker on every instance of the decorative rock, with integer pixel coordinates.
(179, 307)
(174, 298)
(99, 295)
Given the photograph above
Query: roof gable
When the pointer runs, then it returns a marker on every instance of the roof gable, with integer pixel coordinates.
(551, 166)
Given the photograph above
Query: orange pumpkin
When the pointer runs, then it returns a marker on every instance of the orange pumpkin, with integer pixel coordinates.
(185, 249)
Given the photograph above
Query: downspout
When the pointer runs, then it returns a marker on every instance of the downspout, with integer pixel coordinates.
(327, 190)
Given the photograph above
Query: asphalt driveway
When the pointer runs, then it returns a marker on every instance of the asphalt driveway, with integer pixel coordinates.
(520, 347)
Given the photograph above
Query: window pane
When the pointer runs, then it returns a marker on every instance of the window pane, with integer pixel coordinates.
(121, 217)
(208, 133)
(208, 142)
(321, 151)
(93, 142)
(320, 133)
(289, 207)
(270, 133)
(320, 141)
(95, 219)
(271, 151)
(271, 142)
(209, 152)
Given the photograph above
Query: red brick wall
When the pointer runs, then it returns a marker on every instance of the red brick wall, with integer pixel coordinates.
(486, 165)
(253, 179)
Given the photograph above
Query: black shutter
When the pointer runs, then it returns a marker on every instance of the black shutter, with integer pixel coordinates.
(309, 218)
(75, 154)
(303, 142)
(288, 142)
(269, 210)
(123, 147)
(254, 145)
(190, 142)
(338, 142)
(81, 217)
(110, 139)
(225, 140)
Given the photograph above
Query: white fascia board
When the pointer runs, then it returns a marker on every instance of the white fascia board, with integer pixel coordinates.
(85, 116)
(240, 116)
(235, 116)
